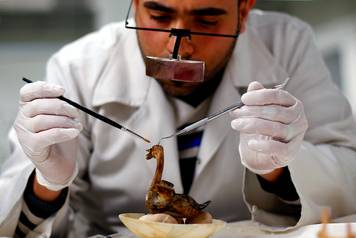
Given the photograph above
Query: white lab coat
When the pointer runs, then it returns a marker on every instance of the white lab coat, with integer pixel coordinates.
(105, 71)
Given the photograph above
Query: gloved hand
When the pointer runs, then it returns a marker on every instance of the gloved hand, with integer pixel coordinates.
(272, 125)
(47, 129)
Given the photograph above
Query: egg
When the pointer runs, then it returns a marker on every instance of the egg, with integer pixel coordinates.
(159, 217)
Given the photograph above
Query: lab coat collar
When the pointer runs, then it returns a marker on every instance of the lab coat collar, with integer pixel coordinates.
(251, 61)
(123, 80)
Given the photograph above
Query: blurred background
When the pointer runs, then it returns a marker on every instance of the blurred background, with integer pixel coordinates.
(32, 30)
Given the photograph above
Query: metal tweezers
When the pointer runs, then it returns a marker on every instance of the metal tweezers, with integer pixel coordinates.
(216, 115)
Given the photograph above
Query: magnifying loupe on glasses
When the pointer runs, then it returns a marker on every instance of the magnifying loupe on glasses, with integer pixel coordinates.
(175, 68)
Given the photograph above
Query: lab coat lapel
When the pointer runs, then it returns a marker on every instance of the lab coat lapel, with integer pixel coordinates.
(216, 131)
(251, 61)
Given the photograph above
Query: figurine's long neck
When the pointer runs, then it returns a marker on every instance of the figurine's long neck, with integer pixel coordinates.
(159, 169)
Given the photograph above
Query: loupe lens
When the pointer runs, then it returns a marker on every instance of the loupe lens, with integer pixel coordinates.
(175, 69)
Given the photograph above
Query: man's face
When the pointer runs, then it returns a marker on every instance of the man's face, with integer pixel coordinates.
(212, 16)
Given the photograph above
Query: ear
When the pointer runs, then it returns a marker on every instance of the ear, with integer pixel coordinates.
(245, 8)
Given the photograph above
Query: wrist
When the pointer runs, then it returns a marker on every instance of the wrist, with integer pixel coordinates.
(279, 182)
(273, 176)
(44, 193)
(56, 183)
(42, 202)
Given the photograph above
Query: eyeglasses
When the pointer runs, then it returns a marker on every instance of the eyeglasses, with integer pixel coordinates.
(179, 33)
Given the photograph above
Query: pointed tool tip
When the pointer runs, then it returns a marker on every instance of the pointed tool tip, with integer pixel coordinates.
(26, 80)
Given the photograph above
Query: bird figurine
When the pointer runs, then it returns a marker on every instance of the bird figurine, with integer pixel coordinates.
(161, 196)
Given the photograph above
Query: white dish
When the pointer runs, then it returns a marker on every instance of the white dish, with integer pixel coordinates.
(149, 229)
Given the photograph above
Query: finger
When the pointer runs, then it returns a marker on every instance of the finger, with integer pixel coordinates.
(278, 151)
(53, 136)
(254, 86)
(285, 115)
(36, 144)
(45, 122)
(276, 130)
(256, 160)
(49, 106)
(268, 97)
(251, 87)
(40, 89)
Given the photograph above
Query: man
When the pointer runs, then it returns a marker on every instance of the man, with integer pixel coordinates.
(283, 157)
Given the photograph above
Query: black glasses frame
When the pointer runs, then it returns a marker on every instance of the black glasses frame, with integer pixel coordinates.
(179, 33)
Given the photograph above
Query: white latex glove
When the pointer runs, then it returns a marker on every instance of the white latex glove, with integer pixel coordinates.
(47, 129)
(272, 125)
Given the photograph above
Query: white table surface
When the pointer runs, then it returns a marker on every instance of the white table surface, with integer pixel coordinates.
(249, 229)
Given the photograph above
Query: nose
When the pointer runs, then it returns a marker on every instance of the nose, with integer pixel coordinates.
(186, 47)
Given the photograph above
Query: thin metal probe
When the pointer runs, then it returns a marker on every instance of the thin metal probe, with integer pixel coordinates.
(216, 115)
(96, 115)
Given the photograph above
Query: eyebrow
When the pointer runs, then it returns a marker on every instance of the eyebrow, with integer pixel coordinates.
(209, 11)
(158, 7)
